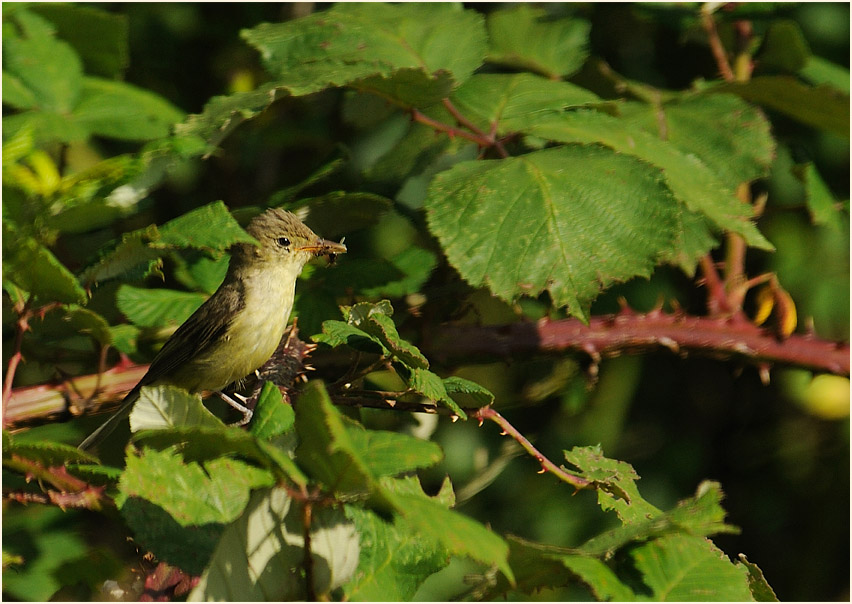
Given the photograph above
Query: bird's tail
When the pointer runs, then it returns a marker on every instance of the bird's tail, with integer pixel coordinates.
(109, 425)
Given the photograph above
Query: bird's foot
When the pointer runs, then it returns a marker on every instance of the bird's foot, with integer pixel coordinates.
(247, 413)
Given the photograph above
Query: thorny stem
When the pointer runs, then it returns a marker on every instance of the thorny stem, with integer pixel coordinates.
(717, 299)
(22, 325)
(546, 465)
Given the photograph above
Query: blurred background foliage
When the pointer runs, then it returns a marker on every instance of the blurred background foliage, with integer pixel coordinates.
(780, 451)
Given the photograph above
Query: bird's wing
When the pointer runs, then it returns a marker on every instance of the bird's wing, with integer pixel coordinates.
(202, 329)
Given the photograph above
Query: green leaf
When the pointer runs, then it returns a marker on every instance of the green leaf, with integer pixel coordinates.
(272, 416)
(600, 578)
(822, 107)
(46, 66)
(326, 449)
(784, 47)
(338, 333)
(700, 515)
(458, 385)
(99, 37)
(351, 42)
(819, 71)
(691, 181)
(615, 482)
(340, 212)
(821, 202)
(202, 442)
(46, 453)
(193, 494)
(760, 589)
(120, 110)
(319, 175)
(157, 307)
(47, 127)
(431, 386)
(394, 560)
(408, 87)
(260, 556)
(383, 328)
(685, 568)
(124, 337)
(34, 268)
(130, 256)
(222, 114)
(83, 320)
(209, 227)
(459, 534)
(16, 94)
(201, 271)
(510, 102)
(415, 264)
(177, 509)
(390, 453)
(161, 407)
(43, 536)
(523, 37)
(728, 135)
(537, 222)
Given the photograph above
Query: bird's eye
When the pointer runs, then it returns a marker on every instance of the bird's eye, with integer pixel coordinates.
(283, 241)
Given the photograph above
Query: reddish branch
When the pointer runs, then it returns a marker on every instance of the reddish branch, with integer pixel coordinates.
(546, 465)
(628, 331)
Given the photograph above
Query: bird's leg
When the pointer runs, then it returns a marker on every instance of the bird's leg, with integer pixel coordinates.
(247, 413)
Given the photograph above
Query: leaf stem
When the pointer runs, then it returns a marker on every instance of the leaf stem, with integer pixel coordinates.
(546, 465)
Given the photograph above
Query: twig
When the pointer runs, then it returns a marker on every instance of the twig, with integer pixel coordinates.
(463, 121)
(481, 140)
(709, 25)
(22, 325)
(546, 465)
(308, 564)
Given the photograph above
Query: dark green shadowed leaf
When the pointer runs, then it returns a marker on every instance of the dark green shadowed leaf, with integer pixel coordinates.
(99, 37)
(123, 111)
(35, 269)
(326, 449)
(570, 220)
(822, 107)
(48, 67)
(260, 557)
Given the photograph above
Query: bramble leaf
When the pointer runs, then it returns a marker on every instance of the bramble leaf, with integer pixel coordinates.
(569, 220)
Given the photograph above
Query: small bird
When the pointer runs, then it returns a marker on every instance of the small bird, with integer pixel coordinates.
(239, 327)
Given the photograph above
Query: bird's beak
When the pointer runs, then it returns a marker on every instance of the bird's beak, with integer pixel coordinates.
(324, 247)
